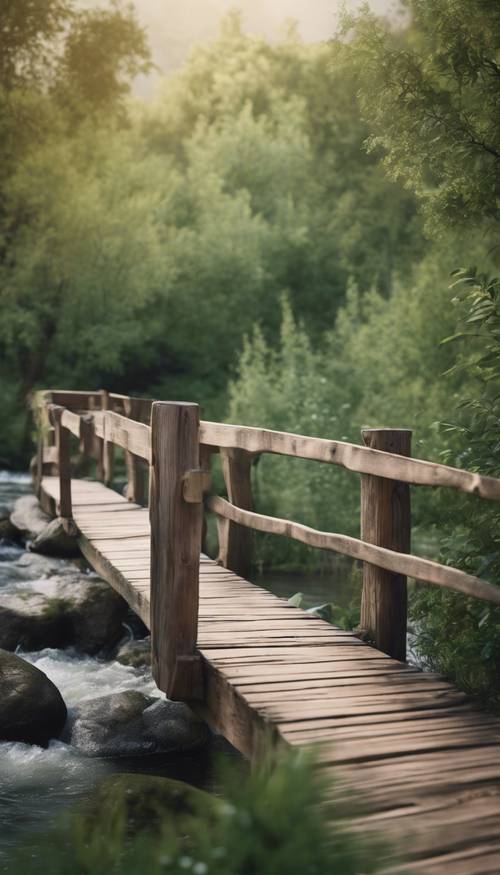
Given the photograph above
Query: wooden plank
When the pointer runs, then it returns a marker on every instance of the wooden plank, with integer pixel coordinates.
(362, 460)
(399, 563)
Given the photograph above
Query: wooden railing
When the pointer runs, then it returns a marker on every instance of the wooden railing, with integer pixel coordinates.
(169, 438)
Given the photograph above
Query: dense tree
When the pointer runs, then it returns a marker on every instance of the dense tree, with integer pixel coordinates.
(431, 94)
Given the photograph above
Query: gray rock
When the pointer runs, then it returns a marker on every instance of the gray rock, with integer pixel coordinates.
(82, 612)
(132, 724)
(28, 517)
(54, 540)
(31, 707)
(135, 653)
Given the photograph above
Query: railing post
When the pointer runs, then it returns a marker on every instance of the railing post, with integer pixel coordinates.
(135, 466)
(176, 532)
(385, 521)
(63, 464)
(235, 542)
(107, 448)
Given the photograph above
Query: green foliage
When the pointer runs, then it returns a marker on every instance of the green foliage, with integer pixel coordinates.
(343, 617)
(357, 376)
(458, 635)
(277, 820)
(139, 245)
(431, 94)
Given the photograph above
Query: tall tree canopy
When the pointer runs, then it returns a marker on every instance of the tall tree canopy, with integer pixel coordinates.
(431, 94)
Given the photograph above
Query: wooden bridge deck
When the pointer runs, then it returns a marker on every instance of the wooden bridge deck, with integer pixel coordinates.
(425, 762)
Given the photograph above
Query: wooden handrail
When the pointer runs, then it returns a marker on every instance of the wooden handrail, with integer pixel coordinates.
(353, 457)
(135, 437)
(401, 563)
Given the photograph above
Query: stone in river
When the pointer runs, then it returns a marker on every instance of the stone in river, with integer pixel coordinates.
(31, 707)
(132, 724)
(135, 653)
(28, 517)
(73, 611)
(54, 540)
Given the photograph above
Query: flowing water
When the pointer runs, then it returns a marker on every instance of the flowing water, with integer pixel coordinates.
(37, 784)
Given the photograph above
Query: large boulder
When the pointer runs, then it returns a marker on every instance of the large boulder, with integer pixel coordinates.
(136, 653)
(132, 724)
(78, 610)
(28, 517)
(149, 802)
(54, 540)
(31, 707)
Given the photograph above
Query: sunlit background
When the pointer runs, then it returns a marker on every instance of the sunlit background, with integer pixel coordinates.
(175, 26)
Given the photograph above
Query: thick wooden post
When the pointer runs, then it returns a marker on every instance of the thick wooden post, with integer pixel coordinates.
(176, 531)
(385, 521)
(135, 466)
(235, 542)
(63, 464)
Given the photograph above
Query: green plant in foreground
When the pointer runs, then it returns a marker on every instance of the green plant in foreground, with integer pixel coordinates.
(276, 821)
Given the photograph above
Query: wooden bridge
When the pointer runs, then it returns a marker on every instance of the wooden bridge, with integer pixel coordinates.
(424, 760)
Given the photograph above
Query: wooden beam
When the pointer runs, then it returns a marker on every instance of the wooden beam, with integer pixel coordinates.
(71, 421)
(107, 447)
(63, 462)
(235, 541)
(386, 522)
(132, 436)
(401, 563)
(362, 460)
(176, 532)
(135, 466)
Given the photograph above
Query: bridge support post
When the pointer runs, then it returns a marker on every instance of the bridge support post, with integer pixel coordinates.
(135, 466)
(107, 447)
(63, 465)
(176, 534)
(385, 521)
(235, 542)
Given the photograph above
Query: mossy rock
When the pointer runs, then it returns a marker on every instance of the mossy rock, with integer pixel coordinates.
(149, 803)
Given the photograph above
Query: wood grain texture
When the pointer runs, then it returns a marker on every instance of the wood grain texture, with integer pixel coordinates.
(134, 408)
(400, 563)
(386, 522)
(235, 541)
(135, 437)
(362, 460)
(176, 533)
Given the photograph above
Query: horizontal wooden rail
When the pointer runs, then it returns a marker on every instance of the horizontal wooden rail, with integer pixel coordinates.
(353, 457)
(400, 563)
(71, 421)
(132, 436)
